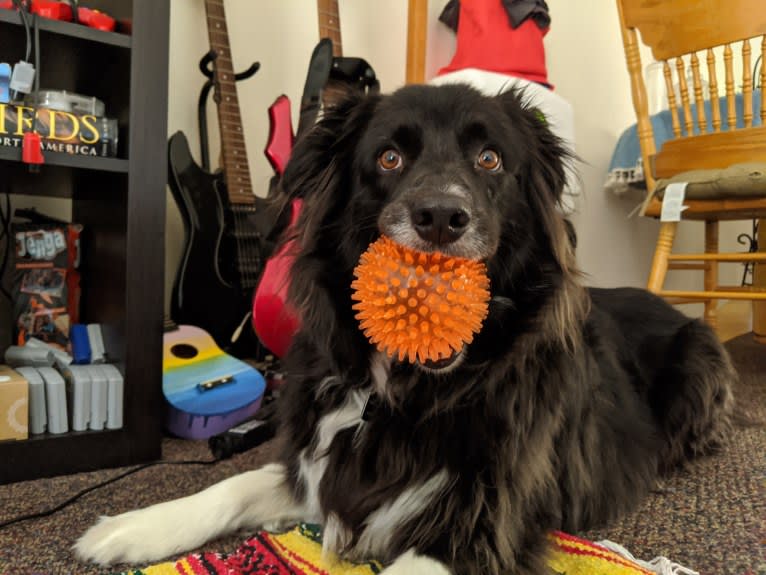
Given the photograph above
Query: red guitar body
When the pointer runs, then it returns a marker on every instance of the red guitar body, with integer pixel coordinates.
(281, 138)
(274, 320)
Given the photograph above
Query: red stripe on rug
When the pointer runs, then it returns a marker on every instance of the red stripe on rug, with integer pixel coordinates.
(601, 553)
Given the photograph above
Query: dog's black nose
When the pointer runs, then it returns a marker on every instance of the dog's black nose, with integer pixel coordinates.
(441, 223)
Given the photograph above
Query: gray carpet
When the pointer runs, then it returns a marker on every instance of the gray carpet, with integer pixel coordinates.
(711, 517)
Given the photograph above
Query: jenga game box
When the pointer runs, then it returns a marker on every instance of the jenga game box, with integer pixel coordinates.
(46, 282)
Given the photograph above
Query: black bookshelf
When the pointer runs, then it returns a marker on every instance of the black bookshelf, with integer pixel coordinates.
(121, 204)
(46, 25)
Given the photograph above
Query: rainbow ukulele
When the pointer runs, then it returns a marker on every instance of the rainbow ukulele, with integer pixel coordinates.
(207, 391)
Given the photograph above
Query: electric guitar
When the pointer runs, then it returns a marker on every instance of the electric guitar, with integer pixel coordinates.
(206, 390)
(330, 76)
(223, 220)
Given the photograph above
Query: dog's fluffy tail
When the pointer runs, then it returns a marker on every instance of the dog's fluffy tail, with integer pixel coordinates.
(692, 398)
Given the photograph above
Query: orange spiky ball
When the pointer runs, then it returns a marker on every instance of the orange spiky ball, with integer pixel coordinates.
(416, 305)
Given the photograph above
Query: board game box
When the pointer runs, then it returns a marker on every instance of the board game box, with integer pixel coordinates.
(46, 282)
(60, 131)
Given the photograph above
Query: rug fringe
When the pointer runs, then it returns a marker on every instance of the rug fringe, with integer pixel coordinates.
(660, 565)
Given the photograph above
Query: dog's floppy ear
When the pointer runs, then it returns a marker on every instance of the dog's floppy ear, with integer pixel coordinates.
(546, 166)
(320, 173)
(318, 169)
(543, 175)
(541, 179)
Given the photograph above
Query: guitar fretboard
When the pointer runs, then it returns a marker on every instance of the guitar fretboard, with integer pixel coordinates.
(329, 24)
(168, 324)
(234, 151)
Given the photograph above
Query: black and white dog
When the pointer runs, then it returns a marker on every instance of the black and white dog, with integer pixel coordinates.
(561, 413)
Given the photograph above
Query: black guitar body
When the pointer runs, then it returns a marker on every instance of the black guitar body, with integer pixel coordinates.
(224, 252)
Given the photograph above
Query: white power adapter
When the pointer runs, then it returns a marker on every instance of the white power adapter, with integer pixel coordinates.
(38, 415)
(55, 396)
(23, 77)
(78, 386)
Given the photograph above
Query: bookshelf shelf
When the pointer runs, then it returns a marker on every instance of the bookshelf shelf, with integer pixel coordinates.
(71, 161)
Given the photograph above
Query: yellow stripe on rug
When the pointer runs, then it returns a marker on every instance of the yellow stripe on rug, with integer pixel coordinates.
(299, 552)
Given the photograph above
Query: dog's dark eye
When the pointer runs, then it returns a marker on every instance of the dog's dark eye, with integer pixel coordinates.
(389, 160)
(489, 160)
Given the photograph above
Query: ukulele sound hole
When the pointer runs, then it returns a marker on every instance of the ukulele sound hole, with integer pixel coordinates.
(184, 350)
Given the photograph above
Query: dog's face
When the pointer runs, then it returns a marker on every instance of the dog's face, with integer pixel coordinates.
(436, 169)
(444, 166)
(440, 173)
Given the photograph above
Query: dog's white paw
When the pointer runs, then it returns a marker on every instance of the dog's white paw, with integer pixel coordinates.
(412, 564)
(133, 537)
(166, 529)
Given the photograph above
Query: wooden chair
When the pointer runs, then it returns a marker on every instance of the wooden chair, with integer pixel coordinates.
(680, 33)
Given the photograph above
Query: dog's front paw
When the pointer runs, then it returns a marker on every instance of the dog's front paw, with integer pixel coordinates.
(411, 563)
(133, 537)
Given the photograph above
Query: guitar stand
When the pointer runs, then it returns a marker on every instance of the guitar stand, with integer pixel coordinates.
(206, 66)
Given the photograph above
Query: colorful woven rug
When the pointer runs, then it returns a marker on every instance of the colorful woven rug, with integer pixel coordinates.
(299, 552)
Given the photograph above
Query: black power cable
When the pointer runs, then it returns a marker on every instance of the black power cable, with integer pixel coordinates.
(23, 13)
(67, 502)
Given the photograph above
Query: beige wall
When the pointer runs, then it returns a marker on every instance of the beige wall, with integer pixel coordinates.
(281, 36)
(585, 62)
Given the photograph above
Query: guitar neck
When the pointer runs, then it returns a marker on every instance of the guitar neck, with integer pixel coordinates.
(168, 324)
(329, 24)
(234, 151)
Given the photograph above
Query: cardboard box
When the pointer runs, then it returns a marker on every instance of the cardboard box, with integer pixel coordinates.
(14, 405)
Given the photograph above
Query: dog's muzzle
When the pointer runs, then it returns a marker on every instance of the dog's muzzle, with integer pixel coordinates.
(437, 218)
(444, 365)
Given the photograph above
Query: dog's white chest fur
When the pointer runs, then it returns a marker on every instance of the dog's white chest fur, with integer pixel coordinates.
(382, 523)
(313, 464)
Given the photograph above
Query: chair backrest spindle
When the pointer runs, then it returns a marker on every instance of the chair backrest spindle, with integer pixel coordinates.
(684, 89)
(699, 99)
(713, 89)
(731, 106)
(747, 86)
(763, 80)
(672, 104)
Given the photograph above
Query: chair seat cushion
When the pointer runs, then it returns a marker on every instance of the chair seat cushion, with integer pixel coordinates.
(737, 181)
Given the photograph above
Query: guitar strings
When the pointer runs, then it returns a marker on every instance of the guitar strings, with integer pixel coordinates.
(240, 266)
(247, 250)
(246, 263)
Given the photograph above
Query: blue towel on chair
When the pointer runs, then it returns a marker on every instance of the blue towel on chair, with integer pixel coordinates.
(625, 169)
